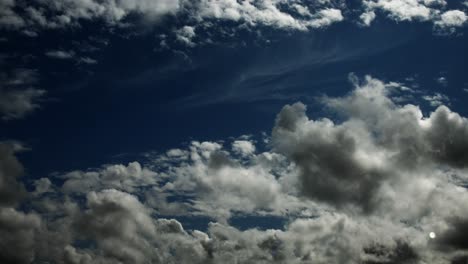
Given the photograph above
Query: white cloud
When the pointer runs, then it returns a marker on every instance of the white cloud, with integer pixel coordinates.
(243, 147)
(367, 17)
(113, 176)
(452, 18)
(402, 10)
(437, 99)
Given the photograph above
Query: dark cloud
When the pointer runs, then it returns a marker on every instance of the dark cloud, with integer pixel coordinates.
(326, 156)
(401, 253)
(455, 236)
(11, 190)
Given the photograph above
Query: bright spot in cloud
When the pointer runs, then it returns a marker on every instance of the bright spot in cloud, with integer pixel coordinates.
(432, 235)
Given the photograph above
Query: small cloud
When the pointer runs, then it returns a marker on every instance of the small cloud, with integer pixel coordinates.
(436, 100)
(442, 80)
(87, 60)
(452, 18)
(185, 35)
(367, 18)
(15, 104)
(30, 33)
(60, 54)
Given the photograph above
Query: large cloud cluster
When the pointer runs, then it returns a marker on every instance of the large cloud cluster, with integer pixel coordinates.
(381, 184)
(297, 15)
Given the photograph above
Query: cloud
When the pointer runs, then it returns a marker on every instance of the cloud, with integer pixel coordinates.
(243, 147)
(210, 15)
(18, 97)
(436, 100)
(16, 228)
(60, 54)
(367, 18)
(16, 104)
(415, 10)
(452, 18)
(113, 176)
(11, 190)
(8, 17)
(402, 10)
(367, 187)
(185, 35)
(88, 60)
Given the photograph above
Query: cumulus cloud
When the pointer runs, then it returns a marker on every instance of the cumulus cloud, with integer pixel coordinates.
(452, 18)
(296, 15)
(415, 10)
(382, 183)
(185, 35)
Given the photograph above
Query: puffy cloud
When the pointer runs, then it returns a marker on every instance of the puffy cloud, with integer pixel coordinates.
(268, 13)
(17, 229)
(277, 14)
(243, 147)
(411, 10)
(113, 176)
(367, 18)
(18, 236)
(354, 162)
(402, 10)
(452, 18)
(185, 35)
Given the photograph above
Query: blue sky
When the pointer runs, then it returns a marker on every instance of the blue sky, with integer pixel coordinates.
(204, 123)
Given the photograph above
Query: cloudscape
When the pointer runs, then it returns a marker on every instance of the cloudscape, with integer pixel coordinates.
(233, 131)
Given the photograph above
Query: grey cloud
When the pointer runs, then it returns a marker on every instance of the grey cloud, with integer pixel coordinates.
(15, 104)
(402, 253)
(348, 163)
(326, 155)
(18, 97)
(60, 54)
(11, 190)
(112, 176)
(384, 159)
(455, 235)
(284, 15)
(9, 19)
(18, 236)
(119, 224)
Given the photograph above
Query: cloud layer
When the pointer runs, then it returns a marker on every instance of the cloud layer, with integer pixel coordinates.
(380, 183)
(279, 14)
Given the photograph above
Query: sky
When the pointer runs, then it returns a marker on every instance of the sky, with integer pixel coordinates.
(233, 131)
